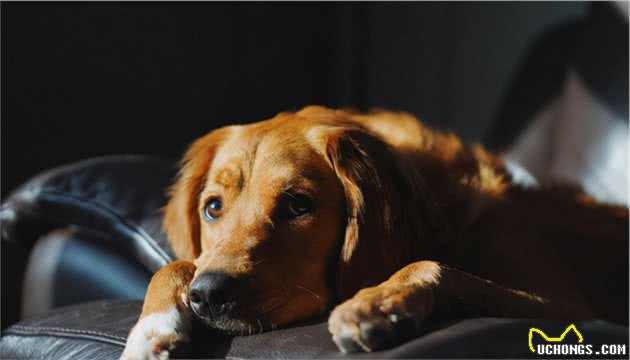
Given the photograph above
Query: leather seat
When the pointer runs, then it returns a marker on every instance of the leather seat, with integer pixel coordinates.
(98, 330)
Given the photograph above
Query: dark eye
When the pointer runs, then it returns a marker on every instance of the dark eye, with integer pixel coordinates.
(212, 211)
(297, 205)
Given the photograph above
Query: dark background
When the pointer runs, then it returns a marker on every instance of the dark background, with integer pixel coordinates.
(89, 79)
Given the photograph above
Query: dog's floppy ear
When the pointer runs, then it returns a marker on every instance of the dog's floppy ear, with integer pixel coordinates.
(384, 207)
(181, 220)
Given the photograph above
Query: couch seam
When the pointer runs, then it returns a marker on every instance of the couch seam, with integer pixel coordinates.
(57, 331)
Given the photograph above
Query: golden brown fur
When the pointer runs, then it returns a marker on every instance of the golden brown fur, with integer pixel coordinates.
(397, 204)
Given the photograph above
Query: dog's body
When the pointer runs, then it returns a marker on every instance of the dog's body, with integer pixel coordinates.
(376, 212)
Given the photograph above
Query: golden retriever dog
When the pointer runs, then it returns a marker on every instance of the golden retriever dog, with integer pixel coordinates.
(379, 219)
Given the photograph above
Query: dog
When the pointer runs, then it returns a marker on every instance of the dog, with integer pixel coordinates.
(278, 221)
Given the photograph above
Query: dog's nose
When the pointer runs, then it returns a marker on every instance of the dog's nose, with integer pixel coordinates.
(212, 294)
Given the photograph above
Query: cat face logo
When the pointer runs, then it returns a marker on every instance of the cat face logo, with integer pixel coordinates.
(553, 339)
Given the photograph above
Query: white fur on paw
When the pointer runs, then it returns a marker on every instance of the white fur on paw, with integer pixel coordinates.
(156, 331)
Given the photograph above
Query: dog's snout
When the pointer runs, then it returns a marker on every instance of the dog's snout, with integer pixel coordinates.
(212, 294)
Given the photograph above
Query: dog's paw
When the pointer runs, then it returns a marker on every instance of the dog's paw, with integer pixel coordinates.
(151, 348)
(379, 317)
(157, 336)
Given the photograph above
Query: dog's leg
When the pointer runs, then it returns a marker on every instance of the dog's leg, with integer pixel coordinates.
(386, 314)
(165, 322)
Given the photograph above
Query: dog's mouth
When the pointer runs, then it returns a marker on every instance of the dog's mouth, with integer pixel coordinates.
(230, 320)
(237, 327)
(254, 312)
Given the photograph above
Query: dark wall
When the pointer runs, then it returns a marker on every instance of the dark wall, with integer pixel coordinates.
(453, 61)
(89, 79)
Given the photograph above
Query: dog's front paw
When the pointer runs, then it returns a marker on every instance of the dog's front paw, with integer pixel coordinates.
(157, 336)
(153, 347)
(379, 317)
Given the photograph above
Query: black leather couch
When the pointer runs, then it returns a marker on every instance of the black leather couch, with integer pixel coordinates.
(109, 206)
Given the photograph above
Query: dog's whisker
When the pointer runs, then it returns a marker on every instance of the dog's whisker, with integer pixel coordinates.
(274, 302)
(259, 262)
(260, 325)
(309, 291)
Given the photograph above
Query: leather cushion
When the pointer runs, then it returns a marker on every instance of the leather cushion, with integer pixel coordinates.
(97, 330)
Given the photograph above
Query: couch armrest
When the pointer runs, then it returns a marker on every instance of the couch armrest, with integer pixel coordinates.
(119, 196)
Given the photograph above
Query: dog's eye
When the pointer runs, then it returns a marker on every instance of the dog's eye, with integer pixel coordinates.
(298, 206)
(212, 211)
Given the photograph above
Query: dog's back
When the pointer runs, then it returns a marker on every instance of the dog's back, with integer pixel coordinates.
(554, 241)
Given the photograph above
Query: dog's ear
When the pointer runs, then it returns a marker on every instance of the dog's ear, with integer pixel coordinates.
(181, 219)
(384, 208)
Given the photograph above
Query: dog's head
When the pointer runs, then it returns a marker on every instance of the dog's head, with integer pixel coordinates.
(286, 216)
